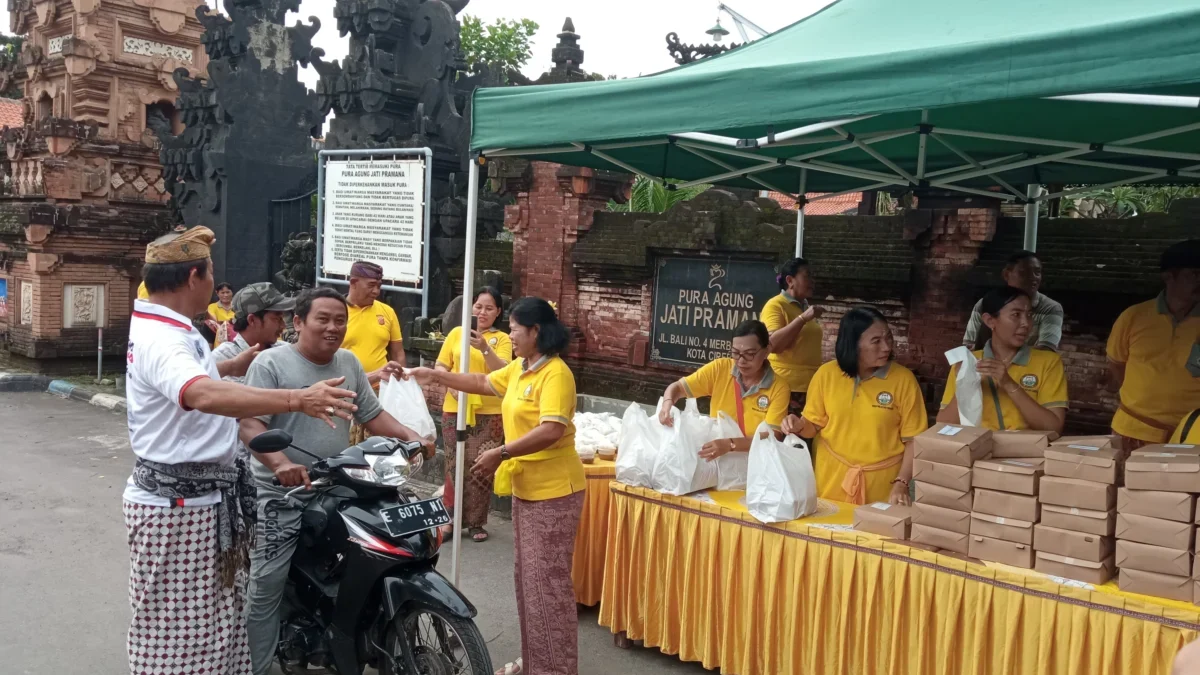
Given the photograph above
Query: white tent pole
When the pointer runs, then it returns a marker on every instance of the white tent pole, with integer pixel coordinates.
(811, 129)
(726, 165)
(972, 161)
(921, 144)
(976, 164)
(1031, 216)
(1134, 99)
(460, 451)
(800, 214)
(878, 156)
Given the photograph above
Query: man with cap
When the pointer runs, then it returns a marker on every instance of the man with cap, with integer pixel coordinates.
(189, 506)
(373, 329)
(258, 319)
(1154, 353)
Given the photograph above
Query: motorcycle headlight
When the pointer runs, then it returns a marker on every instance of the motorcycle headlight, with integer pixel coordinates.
(394, 469)
(363, 475)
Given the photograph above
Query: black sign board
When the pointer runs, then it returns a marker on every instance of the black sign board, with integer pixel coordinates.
(699, 301)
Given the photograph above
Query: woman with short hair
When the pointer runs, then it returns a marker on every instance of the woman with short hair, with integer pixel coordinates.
(867, 408)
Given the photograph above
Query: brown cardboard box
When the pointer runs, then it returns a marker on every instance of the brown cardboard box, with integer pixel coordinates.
(1019, 476)
(1156, 504)
(1086, 462)
(1196, 597)
(1021, 507)
(1101, 523)
(1073, 568)
(1072, 544)
(888, 520)
(1168, 586)
(999, 527)
(1098, 441)
(949, 498)
(953, 444)
(1153, 558)
(943, 519)
(946, 475)
(1168, 448)
(943, 539)
(1019, 444)
(998, 550)
(1164, 471)
(1082, 494)
(1154, 531)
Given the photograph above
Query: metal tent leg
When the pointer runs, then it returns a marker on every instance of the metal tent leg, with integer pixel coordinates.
(800, 213)
(1032, 191)
(468, 278)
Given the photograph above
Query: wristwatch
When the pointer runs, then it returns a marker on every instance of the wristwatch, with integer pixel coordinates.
(504, 453)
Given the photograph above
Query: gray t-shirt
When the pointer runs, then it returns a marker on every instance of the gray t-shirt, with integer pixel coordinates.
(283, 367)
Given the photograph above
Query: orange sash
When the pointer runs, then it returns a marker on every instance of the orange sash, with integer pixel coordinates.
(855, 482)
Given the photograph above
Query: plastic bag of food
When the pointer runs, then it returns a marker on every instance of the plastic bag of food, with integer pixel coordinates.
(967, 386)
(731, 467)
(641, 438)
(679, 470)
(780, 483)
(404, 400)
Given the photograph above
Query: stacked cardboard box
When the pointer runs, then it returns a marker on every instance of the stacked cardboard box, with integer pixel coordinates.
(1155, 521)
(943, 457)
(1079, 493)
(1006, 503)
(888, 520)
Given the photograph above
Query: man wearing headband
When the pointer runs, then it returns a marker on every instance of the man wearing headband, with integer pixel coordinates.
(190, 504)
(373, 330)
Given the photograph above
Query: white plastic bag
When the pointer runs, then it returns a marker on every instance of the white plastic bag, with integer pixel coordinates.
(641, 438)
(780, 483)
(731, 466)
(404, 400)
(967, 387)
(678, 469)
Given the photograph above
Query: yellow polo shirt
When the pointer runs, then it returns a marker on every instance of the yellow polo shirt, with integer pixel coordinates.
(1193, 434)
(143, 294)
(766, 401)
(220, 313)
(449, 356)
(1162, 368)
(369, 331)
(1038, 371)
(863, 421)
(545, 392)
(796, 364)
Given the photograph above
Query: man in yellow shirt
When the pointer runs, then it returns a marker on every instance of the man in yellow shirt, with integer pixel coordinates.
(1154, 353)
(373, 329)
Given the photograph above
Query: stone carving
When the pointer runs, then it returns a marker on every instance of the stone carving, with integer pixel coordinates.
(82, 306)
(55, 44)
(684, 53)
(26, 302)
(133, 45)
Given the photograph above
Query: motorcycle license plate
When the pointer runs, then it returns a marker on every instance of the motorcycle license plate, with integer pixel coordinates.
(414, 517)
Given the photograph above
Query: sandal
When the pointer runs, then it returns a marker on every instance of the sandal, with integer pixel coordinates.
(514, 668)
(478, 534)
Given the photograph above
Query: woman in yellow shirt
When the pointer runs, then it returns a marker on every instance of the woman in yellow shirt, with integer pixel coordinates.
(538, 465)
(221, 312)
(744, 387)
(867, 408)
(795, 331)
(1023, 388)
(491, 350)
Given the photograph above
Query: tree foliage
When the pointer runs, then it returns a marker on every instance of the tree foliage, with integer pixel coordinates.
(10, 57)
(505, 42)
(1126, 201)
(650, 196)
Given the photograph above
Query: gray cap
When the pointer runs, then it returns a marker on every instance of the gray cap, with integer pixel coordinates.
(259, 297)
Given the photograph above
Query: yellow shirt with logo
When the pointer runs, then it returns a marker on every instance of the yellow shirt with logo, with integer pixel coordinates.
(1193, 434)
(1162, 369)
(143, 294)
(767, 401)
(796, 364)
(545, 392)
(369, 331)
(216, 311)
(864, 422)
(1038, 371)
(497, 341)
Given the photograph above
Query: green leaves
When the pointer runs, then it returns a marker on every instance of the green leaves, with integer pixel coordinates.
(505, 42)
(650, 196)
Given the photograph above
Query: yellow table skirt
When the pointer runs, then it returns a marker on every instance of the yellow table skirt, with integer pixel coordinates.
(705, 581)
(587, 567)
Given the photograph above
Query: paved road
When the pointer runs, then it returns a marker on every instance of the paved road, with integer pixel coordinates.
(64, 562)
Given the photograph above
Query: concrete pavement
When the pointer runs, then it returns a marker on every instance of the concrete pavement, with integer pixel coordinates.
(64, 563)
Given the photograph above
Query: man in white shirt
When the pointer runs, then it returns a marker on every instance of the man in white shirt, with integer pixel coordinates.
(190, 504)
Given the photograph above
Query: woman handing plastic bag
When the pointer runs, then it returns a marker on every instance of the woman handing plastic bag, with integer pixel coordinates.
(780, 483)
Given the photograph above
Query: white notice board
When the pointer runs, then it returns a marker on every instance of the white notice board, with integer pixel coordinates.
(374, 210)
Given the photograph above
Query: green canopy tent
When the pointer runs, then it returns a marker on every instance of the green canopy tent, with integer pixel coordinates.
(970, 96)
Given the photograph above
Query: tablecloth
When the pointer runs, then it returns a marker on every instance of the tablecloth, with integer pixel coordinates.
(700, 578)
(587, 566)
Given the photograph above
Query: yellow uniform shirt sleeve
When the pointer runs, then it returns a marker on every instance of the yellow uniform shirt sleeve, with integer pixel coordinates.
(815, 410)
(558, 397)
(704, 381)
(913, 419)
(1193, 436)
(143, 294)
(951, 387)
(503, 347)
(1053, 393)
(1118, 339)
(781, 396)
(773, 316)
(394, 334)
(446, 354)
(499, 380)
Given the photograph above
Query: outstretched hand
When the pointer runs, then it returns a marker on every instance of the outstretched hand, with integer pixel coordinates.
(324, 401)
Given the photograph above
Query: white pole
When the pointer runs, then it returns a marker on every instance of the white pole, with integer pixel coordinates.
(800, 214)
(1032, 191)
(464, 362)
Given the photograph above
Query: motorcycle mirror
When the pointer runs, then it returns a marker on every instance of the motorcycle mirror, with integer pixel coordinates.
(275, 440)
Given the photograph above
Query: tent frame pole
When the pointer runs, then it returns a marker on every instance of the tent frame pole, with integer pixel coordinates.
(1031, 216)
(726, 165)
(973, 162)
(803, 201)
(460, 451)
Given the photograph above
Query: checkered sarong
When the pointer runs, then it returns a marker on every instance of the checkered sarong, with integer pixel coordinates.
(184, 621)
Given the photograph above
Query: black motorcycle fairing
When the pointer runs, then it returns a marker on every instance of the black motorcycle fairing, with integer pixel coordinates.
(424, 587)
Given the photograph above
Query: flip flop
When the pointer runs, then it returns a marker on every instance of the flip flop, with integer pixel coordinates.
(514, 668)
(478, 534)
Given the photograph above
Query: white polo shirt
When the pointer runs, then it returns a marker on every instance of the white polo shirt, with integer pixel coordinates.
(166, 355)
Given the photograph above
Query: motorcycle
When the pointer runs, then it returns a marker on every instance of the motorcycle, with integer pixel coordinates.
(362, 588)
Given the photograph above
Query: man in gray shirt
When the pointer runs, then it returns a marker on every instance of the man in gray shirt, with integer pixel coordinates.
(1024, 271)
(317, 356)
